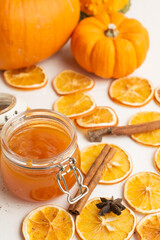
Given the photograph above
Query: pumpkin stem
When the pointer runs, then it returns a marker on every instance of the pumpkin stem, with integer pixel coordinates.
(111, 31)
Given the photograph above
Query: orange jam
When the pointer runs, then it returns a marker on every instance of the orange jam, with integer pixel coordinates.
(31, 152)
(39, 142)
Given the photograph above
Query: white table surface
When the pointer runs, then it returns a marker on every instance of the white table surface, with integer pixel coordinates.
(12, 209)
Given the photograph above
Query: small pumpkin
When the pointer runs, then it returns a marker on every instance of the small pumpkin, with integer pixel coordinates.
(31, 31)
(111, 46)
(95, 7)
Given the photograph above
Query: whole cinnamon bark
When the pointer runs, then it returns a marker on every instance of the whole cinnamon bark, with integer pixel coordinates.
(95, 180)
(92, 170)
(96, 135)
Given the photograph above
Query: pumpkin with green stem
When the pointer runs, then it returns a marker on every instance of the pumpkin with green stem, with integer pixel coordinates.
(111, 46)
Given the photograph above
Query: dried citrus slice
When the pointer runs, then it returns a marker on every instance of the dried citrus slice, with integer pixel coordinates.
(132, 91)
(26, 78)
(116, 170)
(90, 225)
(157, 94)
(157, 159)
(142, 192)
(150, 138)
(48, 222)
(101, 117)
(149, 227)
(68, 82)
(75, 105)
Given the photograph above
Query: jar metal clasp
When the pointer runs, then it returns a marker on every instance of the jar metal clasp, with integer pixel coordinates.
(83, 189)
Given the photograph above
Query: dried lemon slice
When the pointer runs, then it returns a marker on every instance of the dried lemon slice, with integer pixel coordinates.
(101, 117)
(90, 225)
(157, 94)
(75, 105)
(142, 192)
(118, 168)
(68, 82)
(48, 222)
(157, 159)
(151, 138)
(149, 227)
(26, 78)
(132, 91)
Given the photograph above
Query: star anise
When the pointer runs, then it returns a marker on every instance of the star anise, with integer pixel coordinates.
(110, 205)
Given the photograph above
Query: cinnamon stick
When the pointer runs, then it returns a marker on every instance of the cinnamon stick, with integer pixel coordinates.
(92, 184)
(92, 170)
(96, 135)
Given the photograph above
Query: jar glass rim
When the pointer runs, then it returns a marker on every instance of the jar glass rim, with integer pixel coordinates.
(8, 100)
(46, 162)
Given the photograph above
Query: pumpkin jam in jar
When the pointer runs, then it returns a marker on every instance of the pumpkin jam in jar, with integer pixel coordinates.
(33, 144)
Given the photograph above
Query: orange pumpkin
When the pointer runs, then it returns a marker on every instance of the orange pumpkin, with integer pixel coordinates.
(31, 31)
(94, 7)
(111, 46)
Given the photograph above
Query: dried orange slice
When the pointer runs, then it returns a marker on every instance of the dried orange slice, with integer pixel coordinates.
(150, 138)
(157, 94)
(90, 225)
(75, 105)
(68, 82)
(149, 227)
(132, 91)
(26, 78)
(48, 222)
(142, 192)
(116, 170)
(101, 117)
(157, 159)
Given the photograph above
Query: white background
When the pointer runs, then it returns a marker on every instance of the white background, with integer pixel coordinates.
(12, 209)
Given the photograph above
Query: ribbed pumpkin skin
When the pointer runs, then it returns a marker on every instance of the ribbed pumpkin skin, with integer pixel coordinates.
(110, 57)
(94, 7)
(31, 31)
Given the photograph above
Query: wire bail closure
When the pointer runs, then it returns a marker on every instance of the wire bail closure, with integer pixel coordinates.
(71, 162)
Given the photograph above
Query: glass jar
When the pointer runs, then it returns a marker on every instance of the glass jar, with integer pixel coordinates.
(9, 106)
(39, 179)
